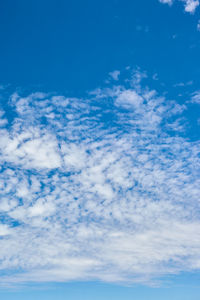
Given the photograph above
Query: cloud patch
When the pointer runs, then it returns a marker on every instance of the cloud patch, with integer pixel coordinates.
(115, 74)
(100, 188)
(190, 6)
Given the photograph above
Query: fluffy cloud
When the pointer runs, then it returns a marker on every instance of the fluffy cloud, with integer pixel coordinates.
(102, 188)
(190, 5)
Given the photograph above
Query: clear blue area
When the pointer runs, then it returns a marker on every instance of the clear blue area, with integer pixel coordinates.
(72, 45)
(99, 291)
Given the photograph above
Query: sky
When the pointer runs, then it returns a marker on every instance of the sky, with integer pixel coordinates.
(100, 149)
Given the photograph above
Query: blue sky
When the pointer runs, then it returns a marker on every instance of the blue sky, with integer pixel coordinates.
(99, 149)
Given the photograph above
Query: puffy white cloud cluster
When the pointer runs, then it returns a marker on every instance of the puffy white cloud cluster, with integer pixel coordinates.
(190, 5)
(97, 188)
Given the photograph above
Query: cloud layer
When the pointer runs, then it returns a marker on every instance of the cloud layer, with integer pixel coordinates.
(100, 188)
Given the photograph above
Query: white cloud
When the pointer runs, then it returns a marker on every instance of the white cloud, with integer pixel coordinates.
(196, 97)
(190, 5)
(32, 148)
(166, 1)
(4, 230)
(98, 189)
(129, 98)
(115, 74)
(198, 26)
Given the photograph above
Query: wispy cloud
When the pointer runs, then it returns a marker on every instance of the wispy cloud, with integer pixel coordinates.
(196, 97)
(102, 188)
(170, 2)
(198, 26)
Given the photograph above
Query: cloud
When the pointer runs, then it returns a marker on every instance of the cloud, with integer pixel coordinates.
(189, 5)
(115, 74)
(183, 84)
(101, 188)
(166, 1)
(196, 97)
(198, 26)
